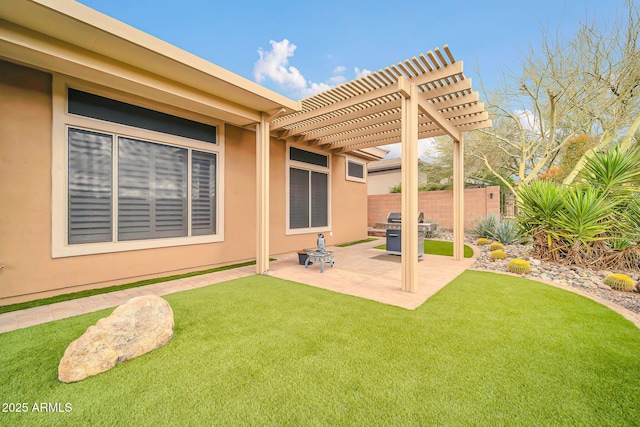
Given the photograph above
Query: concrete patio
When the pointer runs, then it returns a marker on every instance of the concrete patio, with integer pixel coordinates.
(360, 270)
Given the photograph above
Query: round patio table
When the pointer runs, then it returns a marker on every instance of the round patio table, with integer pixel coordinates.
(321, 257)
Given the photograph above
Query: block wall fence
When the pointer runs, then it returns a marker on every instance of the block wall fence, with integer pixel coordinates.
(438, 205)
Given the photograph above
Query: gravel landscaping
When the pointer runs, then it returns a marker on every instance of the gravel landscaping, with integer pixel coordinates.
(585, 279)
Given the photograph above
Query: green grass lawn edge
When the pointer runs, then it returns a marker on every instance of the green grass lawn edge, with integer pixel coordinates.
(438, 247)
(357, 242)
(265, 351)
(91, 292)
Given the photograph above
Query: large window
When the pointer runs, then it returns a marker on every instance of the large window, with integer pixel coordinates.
(134, 178)
(152, 188)
(308, 177)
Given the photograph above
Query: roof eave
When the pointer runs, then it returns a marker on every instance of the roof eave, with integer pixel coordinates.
(78, 25)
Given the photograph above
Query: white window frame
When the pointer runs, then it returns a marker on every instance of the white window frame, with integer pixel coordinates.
(352, 159)
(62, 121)
(312, 168)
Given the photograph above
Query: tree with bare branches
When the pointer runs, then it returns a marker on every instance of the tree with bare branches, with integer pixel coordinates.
(585, 85)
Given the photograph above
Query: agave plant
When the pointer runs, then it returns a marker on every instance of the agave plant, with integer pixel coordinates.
(485, 227)
(508, 233)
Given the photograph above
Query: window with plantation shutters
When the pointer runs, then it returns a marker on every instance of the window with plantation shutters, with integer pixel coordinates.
(89, 187)
(127, 177)
(299, 198)
(308, 190)
(319, 199)
(203, 193)
(152, 190)
(151, 186)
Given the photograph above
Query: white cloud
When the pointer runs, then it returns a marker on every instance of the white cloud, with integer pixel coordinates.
(527, 119)
(361, 72)
(337, 80)
(313, 88)
(274, 65)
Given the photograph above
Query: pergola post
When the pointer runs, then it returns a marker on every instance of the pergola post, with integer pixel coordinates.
(262, 195)
(458, 199)
(409, 168)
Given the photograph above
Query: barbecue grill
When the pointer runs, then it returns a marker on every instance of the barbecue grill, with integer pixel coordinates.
(394, 233)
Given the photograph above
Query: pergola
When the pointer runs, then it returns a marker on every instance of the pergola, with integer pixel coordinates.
(421, 97)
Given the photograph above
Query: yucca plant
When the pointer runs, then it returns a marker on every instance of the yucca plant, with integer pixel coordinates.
(585, 216)
(629, 223)
(539, 203)
(614, 172)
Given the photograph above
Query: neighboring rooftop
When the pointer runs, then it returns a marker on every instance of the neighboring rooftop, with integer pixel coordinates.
(384, 164)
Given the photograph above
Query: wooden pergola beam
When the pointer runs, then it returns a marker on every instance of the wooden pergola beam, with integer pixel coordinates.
(438, 119)
(442, 73)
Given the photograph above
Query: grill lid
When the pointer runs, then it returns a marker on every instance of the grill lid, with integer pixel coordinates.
(396, 217)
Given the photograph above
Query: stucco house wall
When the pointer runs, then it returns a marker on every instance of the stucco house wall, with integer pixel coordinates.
(30, 269)
(383, 178)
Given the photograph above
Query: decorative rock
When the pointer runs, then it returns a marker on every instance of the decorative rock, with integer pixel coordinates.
(135, 328)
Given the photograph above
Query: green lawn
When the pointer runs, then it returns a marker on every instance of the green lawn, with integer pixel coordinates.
(487, 350)
(439, 247)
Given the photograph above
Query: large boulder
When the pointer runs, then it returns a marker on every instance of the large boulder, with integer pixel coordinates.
(135, 328)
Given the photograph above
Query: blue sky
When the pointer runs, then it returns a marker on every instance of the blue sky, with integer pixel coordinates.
(307, 46)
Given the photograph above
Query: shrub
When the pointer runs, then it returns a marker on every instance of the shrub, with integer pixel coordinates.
(508, 233)
(485, 227)
(620, 282)
(482, 241)
(519, 266)
(499, 254)
(495, 246)
(396, 189)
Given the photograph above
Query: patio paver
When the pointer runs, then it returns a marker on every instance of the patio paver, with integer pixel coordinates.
(365, 272)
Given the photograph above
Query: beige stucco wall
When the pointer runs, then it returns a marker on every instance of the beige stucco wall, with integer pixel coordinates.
(348, 206)
(380, 182)
(25, 206)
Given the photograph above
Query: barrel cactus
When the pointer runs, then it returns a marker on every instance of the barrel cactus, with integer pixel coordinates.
(482, 241)
(495, 246)
(519, 266)
(498, 254)
(620, 282)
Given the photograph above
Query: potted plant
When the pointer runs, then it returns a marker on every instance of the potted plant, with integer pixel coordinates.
(302, 256)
